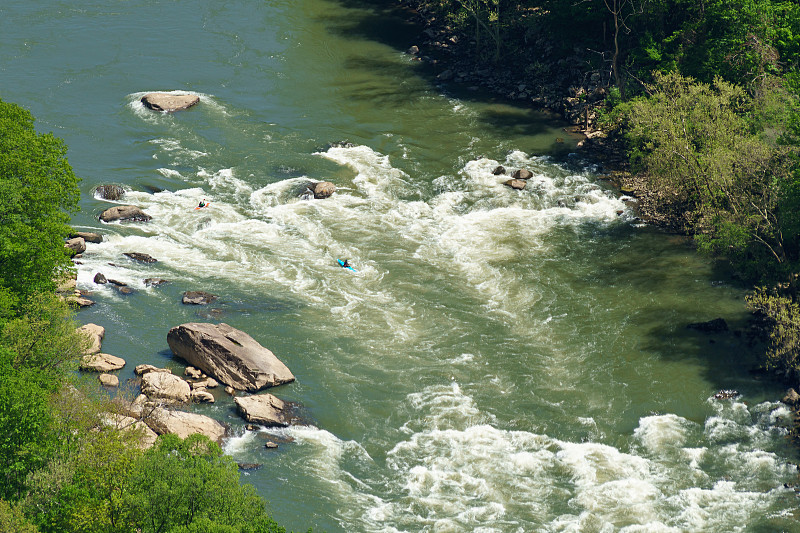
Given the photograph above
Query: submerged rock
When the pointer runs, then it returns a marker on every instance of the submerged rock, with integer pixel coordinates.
(712, 326)
(142, 258)
(124, 212)
(198, 298)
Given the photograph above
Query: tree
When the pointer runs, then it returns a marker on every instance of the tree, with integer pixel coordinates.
(697, 147)
(38, 192)
(182, 486)
(13, 521)
(25, 419)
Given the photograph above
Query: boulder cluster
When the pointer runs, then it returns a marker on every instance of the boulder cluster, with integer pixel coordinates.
(219, 355)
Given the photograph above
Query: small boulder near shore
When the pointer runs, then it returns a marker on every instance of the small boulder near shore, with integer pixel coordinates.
(229, 355)
(94, 334)
(180, 423)
(101, 362)
(168, 102)
(124, 212)
(77, 245)
(165, 386)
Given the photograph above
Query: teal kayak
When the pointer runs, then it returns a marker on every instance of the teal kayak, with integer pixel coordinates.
(341, 264)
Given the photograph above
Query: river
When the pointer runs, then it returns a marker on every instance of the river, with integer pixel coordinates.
(501, 361)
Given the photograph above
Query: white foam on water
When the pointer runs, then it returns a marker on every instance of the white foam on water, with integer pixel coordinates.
(240, 443)
(456, 471)
(662, 434)
(376, 177)
(269, 238)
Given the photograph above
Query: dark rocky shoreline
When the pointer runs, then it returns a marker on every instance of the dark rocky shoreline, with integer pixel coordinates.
(567, 87)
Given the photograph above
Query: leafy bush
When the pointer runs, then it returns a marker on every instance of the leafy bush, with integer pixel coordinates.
(782, 315)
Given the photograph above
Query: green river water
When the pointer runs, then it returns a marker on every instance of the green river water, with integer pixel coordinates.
(502, 361)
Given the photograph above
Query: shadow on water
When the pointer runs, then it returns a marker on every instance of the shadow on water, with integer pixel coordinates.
(393, 26)
(659, 306)
(382, 23)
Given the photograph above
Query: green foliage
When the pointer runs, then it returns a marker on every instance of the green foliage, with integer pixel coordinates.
(38, 191)
(13, 521)
(783, 317)
(25, 422)
(704, 148)
(44, 335)
(178, 483)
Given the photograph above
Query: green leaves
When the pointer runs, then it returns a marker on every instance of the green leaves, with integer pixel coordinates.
(38, 192)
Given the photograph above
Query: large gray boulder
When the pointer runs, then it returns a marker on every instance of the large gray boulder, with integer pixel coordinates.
(169, 102)
(264, 409)
(124, 212)
(231, 356)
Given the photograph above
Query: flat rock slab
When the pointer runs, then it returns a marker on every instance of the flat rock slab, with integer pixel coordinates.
(168, 102)
(229, 355)
(101, 362)
(183, 424)
(264, 409)
(88, 236)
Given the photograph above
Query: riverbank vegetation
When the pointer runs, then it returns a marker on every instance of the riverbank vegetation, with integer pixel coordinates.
(63, 466)
(702, 97)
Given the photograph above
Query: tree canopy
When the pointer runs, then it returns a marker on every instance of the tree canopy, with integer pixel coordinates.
(38, 193)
